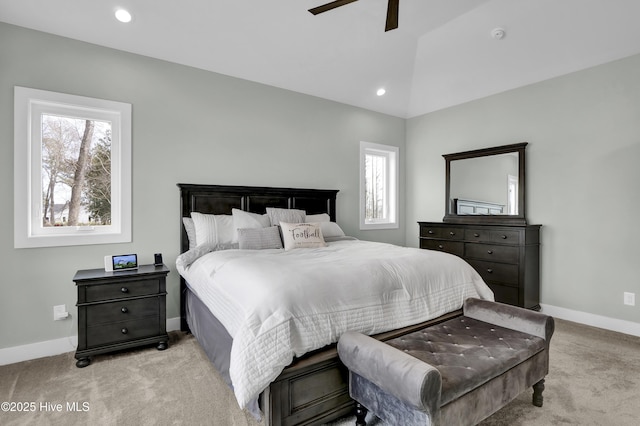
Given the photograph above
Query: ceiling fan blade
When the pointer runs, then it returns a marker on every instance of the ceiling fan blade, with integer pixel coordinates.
(392, 15)
(329, 6)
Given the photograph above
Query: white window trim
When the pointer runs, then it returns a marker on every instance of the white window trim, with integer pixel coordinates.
(27, 169)
(392, 153)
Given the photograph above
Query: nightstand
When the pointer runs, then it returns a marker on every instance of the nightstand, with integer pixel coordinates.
(120, 310)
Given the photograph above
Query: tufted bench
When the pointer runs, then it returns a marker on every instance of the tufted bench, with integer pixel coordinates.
(458, 372)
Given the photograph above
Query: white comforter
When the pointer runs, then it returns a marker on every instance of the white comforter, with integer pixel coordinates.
(277, 304)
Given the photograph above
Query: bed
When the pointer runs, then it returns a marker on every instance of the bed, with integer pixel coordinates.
(311, 387)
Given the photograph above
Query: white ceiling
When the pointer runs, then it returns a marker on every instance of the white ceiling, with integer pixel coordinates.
(441, 55)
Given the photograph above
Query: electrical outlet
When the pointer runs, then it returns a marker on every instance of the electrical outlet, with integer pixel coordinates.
(60, 312)
(629, 299)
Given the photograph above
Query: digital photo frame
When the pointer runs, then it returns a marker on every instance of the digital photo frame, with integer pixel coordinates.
(124, 262)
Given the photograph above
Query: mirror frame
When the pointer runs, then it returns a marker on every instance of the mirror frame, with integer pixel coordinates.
(520, 218)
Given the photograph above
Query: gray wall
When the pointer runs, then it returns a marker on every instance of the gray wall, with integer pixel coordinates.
(583, 131)
(189, 126)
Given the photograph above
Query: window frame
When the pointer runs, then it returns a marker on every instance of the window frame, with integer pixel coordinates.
(392, 173)
(29, 104)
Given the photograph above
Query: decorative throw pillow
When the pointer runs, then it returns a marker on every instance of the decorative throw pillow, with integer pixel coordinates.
(214, 229)
(302, 235)
(277, 215)
(259, 238)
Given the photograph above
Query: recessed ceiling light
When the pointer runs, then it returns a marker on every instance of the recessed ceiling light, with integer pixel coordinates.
(498, 33)
(123, 16)
(381, 91)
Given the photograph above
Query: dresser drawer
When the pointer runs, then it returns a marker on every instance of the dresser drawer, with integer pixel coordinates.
(122, 331)
(452, 247)
(119, 290)
(492, 252)
(123, 310)
(504, 273)
(492, 236)
(444, 232)
(505, 294)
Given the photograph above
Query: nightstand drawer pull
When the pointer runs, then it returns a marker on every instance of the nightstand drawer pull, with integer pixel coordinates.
(504, 237)
(124, 290)
(124, 310)
(440, 246)
(452, 233)
(124, 331)
(430, 232)
(489, 251)
(489, 270)
(475, 234)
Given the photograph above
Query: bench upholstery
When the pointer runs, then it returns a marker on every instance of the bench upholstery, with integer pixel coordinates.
(454, 373)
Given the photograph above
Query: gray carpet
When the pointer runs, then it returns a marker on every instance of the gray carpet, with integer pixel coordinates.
(594, 380)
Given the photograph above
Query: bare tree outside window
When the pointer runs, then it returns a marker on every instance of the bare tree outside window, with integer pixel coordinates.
(375, 187)
(76, 171)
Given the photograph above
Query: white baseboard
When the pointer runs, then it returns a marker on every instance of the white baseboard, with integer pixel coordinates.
(173, 324)
(54, 347)
(613, 324)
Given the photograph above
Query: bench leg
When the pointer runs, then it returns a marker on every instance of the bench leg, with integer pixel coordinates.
(538, 388)
(361, 413)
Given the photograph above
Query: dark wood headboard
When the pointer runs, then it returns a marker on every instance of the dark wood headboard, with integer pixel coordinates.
(221, 199)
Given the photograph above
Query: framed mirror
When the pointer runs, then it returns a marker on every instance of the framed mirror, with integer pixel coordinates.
(486, 186)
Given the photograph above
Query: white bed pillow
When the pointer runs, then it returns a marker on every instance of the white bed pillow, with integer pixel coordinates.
(277, 215)
(302, 235)
(322, 217)
(331, 230)
(214, 229)
(190, 228)
(259, 238)
(243, 219)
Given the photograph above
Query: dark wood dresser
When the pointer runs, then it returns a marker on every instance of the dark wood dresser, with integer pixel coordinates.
(507, 257)
(120, 310)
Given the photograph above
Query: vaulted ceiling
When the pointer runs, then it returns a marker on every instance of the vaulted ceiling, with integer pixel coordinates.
(442, 54)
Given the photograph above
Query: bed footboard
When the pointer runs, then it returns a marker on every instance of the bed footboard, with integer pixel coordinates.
(314, 389)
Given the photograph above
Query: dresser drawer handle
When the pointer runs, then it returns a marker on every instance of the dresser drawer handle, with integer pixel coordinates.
(429, 231)
(504, 237)
(124, 331)
(476, 235)
(452, 233)
(124, 290)
(490, 251)
(490, 270)
(124, 310)
(440, 246)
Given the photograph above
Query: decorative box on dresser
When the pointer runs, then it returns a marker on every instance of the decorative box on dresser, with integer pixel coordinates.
(120, 310)
(507, 257)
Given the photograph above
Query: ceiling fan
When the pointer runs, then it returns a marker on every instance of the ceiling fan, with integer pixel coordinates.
(392, 11)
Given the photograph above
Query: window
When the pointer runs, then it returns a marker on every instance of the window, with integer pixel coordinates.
(378, 186)
(72, 170)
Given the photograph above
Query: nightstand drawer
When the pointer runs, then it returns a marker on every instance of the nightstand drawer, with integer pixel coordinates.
(122, 331)
(491, 252)
(452, 247)
(504, 273)
(123, 310)
(97, 293)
